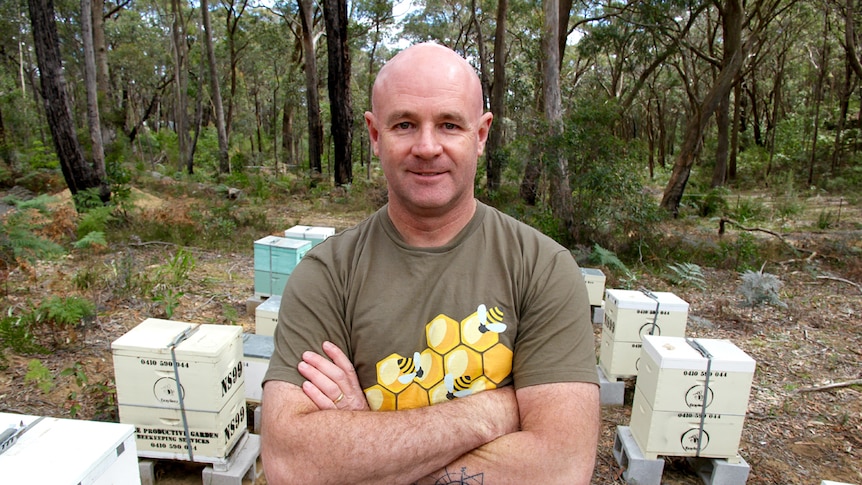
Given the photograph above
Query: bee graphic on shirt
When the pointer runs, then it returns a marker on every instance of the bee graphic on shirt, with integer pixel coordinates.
(410, 368)
(457, 386)
(490, 321)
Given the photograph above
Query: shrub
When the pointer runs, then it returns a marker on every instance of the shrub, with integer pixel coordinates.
(758, 288)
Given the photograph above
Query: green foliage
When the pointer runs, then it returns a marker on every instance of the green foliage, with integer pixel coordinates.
(758, 288)
(687, 274)
(740, 253)
(19, 232)
(748, 209)
(39, 375)
(80, 377)
(16, 333)
(600, 256)
(712, 203)
(40, 156)
(95, 219)
(825, 219)
(66, 312)
(92, 239)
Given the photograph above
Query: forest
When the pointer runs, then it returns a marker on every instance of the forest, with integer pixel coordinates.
(707, 148)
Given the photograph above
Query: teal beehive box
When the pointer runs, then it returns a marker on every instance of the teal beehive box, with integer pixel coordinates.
(286, 253)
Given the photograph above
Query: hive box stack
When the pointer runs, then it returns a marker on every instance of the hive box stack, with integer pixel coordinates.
(629, 315)
(676, 411)
(67, 451)
(266, 316)
(274, 260)
(595, 280)
(211, 383)
(315, 234)
(256, 350)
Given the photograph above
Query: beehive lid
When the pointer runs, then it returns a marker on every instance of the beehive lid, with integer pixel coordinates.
(256, 345)
(677, 353)
(271, 305)
(155, 335)
(637, 300)
(267, 241)
(592, 272)
(291, 243)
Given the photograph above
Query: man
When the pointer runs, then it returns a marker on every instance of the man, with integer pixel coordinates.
(470, 328)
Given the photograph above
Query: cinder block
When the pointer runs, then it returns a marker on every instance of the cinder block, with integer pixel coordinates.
(252, 303)
(637, 470)
(598, 313)
(147, 469)
(720, 471)
(257, 417)
(242, 465)
(830, 482)
(611, 393)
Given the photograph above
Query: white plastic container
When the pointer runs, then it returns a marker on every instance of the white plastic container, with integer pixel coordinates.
(69, 451)
(672, 433)
(672, 375)
(160, 432)
(315, 234)
(595, 281)
(257, 350)
(266, 316)
(630, 314)
(208, 360)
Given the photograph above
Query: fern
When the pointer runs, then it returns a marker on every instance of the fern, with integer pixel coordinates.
(687, 274)
(92, 239)
(40, 375)
(67, 312)
(759, 287)
(603, 257)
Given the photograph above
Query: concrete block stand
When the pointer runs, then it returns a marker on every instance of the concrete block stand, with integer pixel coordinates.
(242, 465)
(637, 470)
(611, 393)
(715, 471)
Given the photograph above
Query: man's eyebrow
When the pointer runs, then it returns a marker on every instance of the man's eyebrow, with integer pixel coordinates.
(446, 116)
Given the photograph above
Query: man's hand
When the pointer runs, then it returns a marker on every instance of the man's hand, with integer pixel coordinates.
(331, 384)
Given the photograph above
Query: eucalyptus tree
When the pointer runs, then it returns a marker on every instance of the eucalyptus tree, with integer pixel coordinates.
(215, 92)
(80, 175)
(309, 34)
(338, 80)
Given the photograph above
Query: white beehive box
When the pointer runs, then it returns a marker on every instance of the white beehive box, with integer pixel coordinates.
(160, 432)
(315, 234)
(266, 316)
(619, 359)
(595, 281)
(630, 314)
(209, 363)
(69, 451)
(672, 375)
(672, 433)
(257, 350)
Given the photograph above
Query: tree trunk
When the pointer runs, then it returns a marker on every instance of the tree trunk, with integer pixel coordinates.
(341, 106)
(558, 172)
(692, 139)
(103, 86)
(495, 157)
(215, 92)
(735, 128)
(79, 174)
(818, 98)
(722, 120)
(180, 52)
(315, 126)
(93, 119)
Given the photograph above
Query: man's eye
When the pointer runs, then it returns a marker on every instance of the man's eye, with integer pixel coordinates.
(403, 125)
(450, 126)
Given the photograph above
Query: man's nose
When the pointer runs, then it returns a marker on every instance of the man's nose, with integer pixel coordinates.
(427, 143)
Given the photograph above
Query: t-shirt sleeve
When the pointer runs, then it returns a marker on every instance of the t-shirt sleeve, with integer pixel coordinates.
(555, 339)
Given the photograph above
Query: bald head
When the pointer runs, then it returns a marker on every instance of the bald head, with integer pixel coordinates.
(429, 63)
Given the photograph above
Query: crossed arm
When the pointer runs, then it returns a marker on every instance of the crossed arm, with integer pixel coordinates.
(546, 433)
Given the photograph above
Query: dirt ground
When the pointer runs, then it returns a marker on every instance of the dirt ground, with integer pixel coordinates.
(804, 419)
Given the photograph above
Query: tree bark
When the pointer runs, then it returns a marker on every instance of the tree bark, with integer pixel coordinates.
(79, 174)
(312, 98)
(341, 105)
(93, 119)
(180, 52)
(495, 157)
(215, 92)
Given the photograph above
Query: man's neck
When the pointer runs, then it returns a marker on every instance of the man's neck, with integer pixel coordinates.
(431, 231)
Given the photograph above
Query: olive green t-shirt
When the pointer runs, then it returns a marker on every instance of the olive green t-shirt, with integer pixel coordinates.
(501, 304)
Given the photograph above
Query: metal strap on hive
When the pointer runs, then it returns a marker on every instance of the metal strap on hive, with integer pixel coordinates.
(700, 348)
(179, 338)
(653, 297)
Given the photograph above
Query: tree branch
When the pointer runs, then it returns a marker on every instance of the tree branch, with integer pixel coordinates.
(834, 385)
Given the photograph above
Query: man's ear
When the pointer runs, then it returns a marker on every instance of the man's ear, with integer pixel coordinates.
(373, 132)
(483, 129)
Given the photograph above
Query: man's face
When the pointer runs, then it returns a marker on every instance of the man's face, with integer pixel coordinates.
(428, 130)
